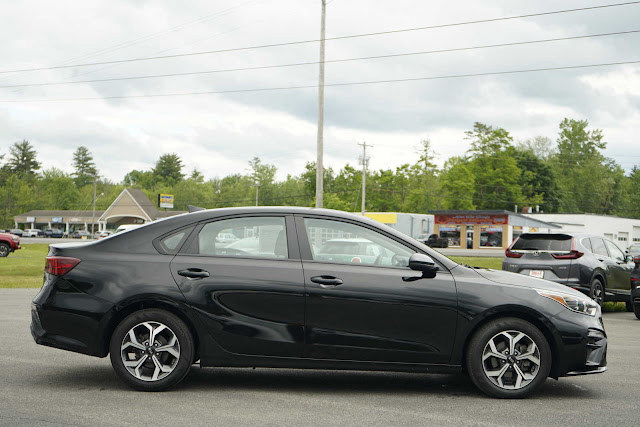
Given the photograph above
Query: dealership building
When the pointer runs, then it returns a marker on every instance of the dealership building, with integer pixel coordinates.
(130, 207)
(485, 229)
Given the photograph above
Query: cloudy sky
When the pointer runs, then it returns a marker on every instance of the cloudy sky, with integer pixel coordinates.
(218, 133)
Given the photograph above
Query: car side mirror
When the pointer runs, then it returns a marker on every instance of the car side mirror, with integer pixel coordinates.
(424, 263)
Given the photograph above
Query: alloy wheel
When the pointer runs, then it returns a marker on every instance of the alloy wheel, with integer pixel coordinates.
(150, 351)
(511, 360)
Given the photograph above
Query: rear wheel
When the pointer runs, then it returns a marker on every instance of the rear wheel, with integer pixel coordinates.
(151, 350)
(629, 306)
(636, 310)
(4, 250)
(508, 358)
(596, 292)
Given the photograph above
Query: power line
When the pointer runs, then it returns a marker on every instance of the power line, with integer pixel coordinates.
(379, 33)
(298, 64)
(371, 82)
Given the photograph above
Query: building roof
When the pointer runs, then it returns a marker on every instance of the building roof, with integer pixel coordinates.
(55, 213)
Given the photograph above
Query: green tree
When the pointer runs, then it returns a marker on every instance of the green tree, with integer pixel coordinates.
(496, 172)
(168, 169)
(22, 159)
(84, 167)
(587, 180)
(458, 183)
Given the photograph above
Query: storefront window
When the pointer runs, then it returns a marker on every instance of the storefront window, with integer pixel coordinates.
(451, 233)
(490, 236)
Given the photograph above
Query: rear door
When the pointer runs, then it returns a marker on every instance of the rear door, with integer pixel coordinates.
(545, 256)
(620, 268)
(372, 308)
(249, 290)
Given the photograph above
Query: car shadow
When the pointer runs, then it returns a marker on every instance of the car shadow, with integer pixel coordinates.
(307, 381)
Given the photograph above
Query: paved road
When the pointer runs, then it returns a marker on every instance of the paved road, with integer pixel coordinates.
(41, 386)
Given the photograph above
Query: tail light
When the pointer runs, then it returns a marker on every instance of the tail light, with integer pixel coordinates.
(508, 253)
(60, 265)
(571, 255)
(636, 259)
(574, 254)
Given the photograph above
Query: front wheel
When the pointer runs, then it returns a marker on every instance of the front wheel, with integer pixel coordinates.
(4, 250)
(596, 292)
(151, 350)
(508, 358)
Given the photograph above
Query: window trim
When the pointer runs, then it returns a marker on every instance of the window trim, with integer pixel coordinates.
(289, 227)
(163, 250)
(307, 256)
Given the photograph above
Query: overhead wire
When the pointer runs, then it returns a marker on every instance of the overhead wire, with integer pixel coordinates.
(360, 83)
(192, 73)
(351, 36)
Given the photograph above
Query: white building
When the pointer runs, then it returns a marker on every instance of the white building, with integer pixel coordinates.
(623, 231)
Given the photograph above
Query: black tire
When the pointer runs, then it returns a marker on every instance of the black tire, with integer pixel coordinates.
(5, 250)
(596, 291)
(173, 325)
(629, 306)
(490, 331)
(636, 310)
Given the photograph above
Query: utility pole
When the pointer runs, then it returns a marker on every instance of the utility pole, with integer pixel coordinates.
(93, 215)
(320, 142)
(365, 162)
(257, 187)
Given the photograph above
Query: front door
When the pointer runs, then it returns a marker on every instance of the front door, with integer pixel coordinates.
(243, 276)
(364, 303)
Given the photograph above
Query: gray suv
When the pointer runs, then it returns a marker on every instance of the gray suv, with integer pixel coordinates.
(590, 264)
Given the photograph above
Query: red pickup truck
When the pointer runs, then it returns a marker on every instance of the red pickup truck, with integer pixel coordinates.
(8, 243)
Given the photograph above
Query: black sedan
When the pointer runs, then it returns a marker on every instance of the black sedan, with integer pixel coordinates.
(164, 296)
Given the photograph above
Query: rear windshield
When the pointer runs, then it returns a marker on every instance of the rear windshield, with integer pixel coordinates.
(543, 242)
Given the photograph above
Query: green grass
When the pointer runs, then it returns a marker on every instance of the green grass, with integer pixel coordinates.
(24, 267)
(484, 262)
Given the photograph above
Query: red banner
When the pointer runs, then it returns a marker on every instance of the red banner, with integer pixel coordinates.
(471, 219)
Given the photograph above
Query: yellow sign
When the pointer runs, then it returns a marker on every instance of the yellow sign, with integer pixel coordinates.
(385, 218)
(165, 201)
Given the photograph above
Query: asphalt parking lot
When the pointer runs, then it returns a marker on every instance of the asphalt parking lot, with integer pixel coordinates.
(41, 386)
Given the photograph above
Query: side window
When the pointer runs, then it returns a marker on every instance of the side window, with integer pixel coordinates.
(614, 251)
(263, 237)
(335, 241)
(171, 243)
(586, 243)
(598, 246)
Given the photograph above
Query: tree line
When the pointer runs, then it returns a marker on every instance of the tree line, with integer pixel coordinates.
(568, 175)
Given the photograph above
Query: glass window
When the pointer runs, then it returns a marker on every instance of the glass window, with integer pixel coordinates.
(490, 236)
(335, 241)
(598, 246)
(543, 242)
(614, 251)
(171, 243)
(451, 233)
(586, 243)
(263, 237)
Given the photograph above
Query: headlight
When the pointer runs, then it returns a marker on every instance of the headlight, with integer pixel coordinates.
(582, 305)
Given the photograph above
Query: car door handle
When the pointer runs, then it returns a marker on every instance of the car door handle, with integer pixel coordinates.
(327, 280)
(194, 273)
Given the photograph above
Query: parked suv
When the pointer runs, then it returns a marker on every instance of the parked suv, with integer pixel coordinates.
(590, 264)
(8, 243)
(436, 241)
(635, 287)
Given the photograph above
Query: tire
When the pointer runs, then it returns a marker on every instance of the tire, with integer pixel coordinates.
(153, 366)
(512, 374)
(629, 306)
(636, 310)
(5, 250)
(596, 291)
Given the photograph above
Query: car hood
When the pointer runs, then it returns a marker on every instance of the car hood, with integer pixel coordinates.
(515, 279)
